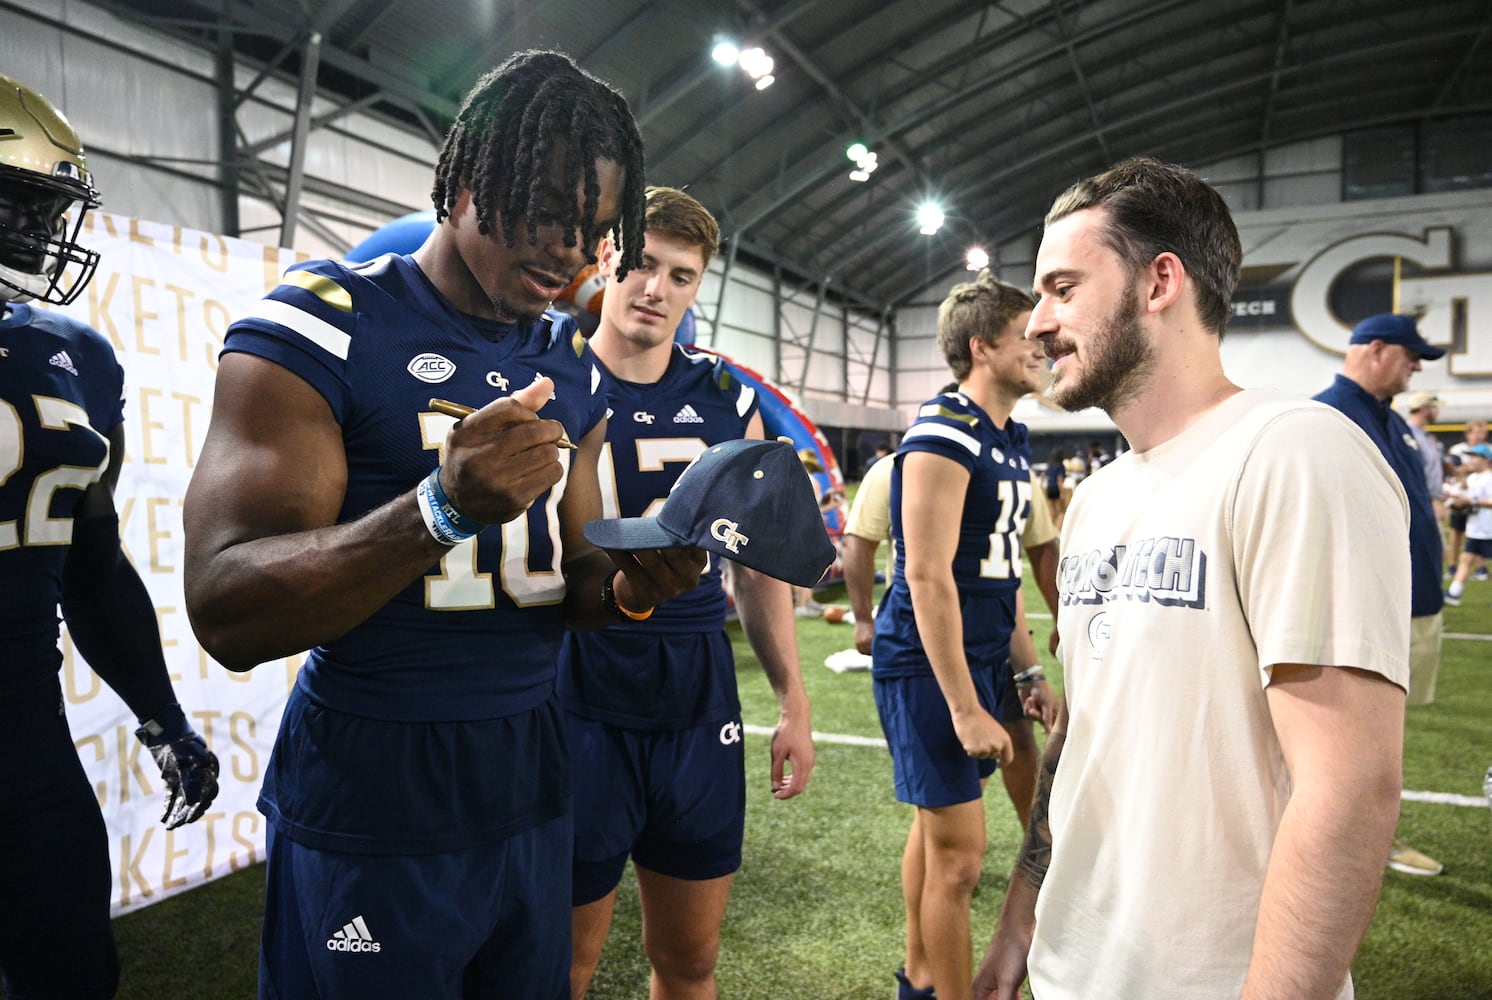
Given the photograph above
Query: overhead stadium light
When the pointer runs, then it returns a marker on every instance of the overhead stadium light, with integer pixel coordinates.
(930, 217)
(756, 62)
(976, 259)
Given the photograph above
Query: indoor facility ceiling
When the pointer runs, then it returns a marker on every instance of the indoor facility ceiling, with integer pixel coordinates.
(989, 108)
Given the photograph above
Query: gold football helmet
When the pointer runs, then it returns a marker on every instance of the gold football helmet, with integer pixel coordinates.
(45, 190)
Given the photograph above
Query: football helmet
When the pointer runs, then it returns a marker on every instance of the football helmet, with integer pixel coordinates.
(45, 190)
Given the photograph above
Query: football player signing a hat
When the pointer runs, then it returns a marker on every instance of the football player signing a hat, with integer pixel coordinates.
(62, 431)
(652, 711)
(418, 797)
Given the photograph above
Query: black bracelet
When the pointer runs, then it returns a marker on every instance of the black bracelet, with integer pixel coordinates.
(610, 603)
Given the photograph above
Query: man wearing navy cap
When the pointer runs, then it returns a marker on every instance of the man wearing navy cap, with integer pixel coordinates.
(1383, 353)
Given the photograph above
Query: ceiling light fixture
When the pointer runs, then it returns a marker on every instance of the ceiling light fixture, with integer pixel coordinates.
(753, 61)
(757, 64)
(930, 217)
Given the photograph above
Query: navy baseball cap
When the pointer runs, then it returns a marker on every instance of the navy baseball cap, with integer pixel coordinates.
(749, 501)
(1394, 328)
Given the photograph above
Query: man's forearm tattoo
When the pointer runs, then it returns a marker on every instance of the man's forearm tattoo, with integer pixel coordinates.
(1036, 852)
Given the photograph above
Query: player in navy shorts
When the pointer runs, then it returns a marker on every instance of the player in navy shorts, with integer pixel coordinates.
(419, 793)
(61, 448)
(960, 495)
(651, 708)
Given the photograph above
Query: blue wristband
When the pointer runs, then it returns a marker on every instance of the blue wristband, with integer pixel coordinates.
(445, 523)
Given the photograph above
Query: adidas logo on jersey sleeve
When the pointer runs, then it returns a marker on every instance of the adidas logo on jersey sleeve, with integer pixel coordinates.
(354, 936)
(63, 361)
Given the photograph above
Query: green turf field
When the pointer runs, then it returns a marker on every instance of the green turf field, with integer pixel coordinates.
(816, 910)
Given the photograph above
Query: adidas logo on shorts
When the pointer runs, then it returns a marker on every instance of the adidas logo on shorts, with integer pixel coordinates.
(354, 936)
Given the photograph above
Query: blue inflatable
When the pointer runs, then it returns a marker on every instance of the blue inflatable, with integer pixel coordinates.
(685, 333)
(403, 235)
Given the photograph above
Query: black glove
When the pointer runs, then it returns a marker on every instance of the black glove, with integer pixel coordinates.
(189, 769)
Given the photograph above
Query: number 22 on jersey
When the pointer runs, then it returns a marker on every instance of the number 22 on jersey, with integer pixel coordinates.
(40, 528)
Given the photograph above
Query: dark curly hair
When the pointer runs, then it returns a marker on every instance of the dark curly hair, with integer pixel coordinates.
(509, 131)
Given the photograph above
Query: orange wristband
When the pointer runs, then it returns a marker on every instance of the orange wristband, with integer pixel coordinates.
(610, 603)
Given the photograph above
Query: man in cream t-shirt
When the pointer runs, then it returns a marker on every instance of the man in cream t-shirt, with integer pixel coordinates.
(1221, 789)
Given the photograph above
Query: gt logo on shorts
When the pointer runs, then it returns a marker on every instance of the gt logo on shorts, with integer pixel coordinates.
(730, 733)
(724, 529)
(354, 936)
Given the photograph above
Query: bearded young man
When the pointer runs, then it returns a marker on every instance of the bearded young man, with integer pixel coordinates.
(1222, 785)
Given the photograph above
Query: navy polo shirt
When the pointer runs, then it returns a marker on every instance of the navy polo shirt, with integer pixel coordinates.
(1391, 433)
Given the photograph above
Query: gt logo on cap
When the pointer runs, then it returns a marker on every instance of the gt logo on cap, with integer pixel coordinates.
(724, 530)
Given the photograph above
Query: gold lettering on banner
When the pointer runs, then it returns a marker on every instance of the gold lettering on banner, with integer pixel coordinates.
(188, 440)
(205, 717)
(156, 534)
(216, 317)
(245, 840)
(73, 672)
(129, 867)
(100, 300)
(181, 295)
(272, 268)
(241, 729)
(217, 261)
(208, 824)
(148, 426)
(160, 622)
(142, 318)
(138, 237)
(96, 742)
(129, 750)
(167, 882)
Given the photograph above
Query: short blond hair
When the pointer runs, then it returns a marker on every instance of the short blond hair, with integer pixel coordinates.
(672, 213)
(980, 308)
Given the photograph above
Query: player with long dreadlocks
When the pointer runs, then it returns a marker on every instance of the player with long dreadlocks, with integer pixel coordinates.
(418, 796)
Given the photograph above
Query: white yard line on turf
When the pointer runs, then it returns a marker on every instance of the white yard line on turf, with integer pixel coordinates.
(848, 740)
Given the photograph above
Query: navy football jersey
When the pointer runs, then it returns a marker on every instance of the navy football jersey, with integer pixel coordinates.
(987, 563)
(478, 636)
(61, 394)
(654, 432)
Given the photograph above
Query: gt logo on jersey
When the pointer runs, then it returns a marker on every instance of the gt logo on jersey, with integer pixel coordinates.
(730, 733)
(431, 368)
(643, 417)
(725, 530)
(496, 380)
